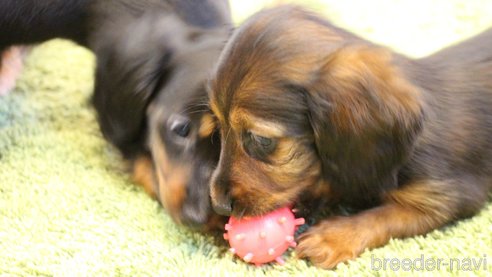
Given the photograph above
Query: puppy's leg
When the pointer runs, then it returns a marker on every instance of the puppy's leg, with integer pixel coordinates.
(415, 209)
(143, 174)
(11, 62)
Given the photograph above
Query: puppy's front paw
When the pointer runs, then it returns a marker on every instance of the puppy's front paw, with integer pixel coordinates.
(333, 241)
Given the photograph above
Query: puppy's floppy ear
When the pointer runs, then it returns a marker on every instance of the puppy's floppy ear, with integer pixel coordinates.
(123, 90)
(365, 117)
(134, 59)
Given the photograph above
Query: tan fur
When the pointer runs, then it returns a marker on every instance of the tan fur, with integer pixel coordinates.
(350, 71)
(172, 180)
(143, 174)
(207, 126)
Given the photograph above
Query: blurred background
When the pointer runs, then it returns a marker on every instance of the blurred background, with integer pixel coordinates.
(412, 27)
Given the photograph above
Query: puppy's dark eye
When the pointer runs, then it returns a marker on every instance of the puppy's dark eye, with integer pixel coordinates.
(263, 141)
(182, 130)
(180, 126)
(258, 147)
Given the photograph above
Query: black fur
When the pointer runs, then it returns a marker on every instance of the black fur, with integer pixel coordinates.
(32, 21)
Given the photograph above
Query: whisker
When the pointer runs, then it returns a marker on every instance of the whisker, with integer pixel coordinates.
(196, 106)
(242, 212)
(227, 135)
(197, 111)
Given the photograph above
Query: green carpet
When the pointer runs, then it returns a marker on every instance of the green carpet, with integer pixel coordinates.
(68, 209)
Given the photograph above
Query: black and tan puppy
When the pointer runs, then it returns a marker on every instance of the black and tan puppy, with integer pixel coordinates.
(310, 112)
(152, 104)
(153, 57)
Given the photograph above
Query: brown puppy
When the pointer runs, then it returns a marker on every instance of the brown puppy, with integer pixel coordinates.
(308, 111)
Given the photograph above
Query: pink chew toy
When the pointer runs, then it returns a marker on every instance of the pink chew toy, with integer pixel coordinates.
(262, 239)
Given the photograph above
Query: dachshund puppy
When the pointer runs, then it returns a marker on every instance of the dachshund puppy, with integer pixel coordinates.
(153, 57)
(309, 112)
(152, 104)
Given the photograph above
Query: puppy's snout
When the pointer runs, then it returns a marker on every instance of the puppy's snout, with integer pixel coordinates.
(221, 199)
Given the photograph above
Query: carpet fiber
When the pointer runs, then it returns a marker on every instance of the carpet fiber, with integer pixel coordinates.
(67, 208)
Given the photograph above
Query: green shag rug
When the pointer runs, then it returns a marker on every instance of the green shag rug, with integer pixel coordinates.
(67, 207)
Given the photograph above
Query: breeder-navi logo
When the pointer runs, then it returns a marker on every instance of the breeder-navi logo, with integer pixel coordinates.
(429, 264)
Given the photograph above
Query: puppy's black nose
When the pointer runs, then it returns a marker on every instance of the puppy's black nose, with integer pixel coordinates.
(219, 192)
(223, 207)
(221, 202)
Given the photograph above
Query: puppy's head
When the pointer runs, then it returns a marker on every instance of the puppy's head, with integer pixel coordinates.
(151, 99)
(306, 109)
(182, 131)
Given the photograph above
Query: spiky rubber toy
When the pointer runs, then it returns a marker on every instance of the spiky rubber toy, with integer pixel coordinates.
(262, 239)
